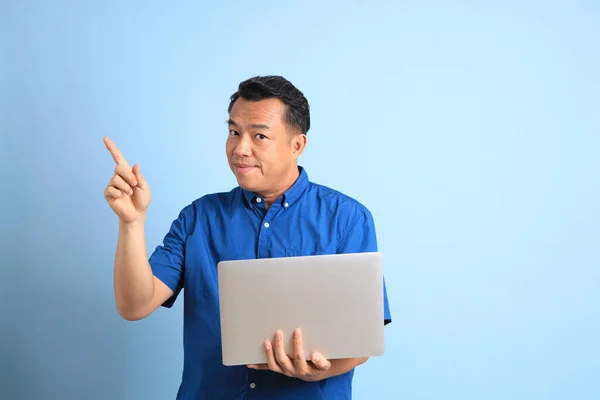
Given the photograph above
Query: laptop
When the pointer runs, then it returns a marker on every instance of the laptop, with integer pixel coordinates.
(336, 300)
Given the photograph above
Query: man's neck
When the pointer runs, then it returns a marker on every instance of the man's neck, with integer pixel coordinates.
(287, 183)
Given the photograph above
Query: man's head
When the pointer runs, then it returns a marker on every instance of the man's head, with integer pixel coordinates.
(268, 122)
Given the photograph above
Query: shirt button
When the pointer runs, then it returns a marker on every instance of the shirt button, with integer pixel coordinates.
(258, 199)
(286, 205)
(252, 385)
(267, 225)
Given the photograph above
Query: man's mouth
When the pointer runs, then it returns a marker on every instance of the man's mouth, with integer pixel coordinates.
(243, 168)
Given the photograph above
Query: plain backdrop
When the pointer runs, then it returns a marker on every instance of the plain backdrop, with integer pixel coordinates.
(471, 130)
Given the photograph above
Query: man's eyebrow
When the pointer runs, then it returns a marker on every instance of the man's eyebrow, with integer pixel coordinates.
(253, 126)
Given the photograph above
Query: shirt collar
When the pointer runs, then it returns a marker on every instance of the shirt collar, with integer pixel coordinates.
(291, 195)
(297, 190)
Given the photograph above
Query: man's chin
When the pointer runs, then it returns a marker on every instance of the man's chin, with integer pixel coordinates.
(245, 182)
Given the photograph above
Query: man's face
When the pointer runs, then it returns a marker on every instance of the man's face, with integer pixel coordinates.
(261, 151)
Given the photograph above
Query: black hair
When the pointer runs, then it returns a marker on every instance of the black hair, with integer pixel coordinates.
(297, 114)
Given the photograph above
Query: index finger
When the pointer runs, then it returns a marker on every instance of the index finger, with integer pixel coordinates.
(114, 152)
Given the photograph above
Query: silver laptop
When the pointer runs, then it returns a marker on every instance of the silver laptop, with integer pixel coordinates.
(336, 300)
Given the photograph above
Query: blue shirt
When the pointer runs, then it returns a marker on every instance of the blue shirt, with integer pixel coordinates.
(308, 219)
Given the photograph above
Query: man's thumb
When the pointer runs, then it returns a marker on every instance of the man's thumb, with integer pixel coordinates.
(141, 182)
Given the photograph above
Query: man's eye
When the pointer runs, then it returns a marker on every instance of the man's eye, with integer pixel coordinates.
(260, 136)
(233, 133)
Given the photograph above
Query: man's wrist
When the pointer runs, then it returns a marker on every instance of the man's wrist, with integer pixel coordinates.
(133, 226)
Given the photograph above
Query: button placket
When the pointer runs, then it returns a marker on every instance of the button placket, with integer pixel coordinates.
(267, 229)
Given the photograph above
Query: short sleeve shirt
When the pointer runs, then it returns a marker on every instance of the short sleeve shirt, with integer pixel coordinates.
(308, 219)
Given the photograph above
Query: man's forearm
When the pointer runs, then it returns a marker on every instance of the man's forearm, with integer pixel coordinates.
(132, 275)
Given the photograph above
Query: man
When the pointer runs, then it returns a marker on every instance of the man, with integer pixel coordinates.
(275, 211)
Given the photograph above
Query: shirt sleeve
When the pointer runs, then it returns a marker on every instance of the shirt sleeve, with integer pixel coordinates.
(362, 238)
(168, 259)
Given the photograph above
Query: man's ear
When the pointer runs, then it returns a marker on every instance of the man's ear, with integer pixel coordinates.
(298, 144)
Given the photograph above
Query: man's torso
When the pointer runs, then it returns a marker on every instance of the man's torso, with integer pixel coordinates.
(308, 220)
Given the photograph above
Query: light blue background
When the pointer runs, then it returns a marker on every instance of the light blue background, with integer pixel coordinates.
(470, 129)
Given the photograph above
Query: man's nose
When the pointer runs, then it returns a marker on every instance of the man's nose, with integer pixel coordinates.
(243, 148)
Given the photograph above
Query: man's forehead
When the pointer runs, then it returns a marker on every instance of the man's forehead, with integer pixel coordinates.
(267, 111)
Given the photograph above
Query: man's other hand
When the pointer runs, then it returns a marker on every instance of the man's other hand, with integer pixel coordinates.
(127, 192)
(298, 367)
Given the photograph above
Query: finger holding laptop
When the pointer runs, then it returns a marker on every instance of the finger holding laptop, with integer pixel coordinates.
(298, 367)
